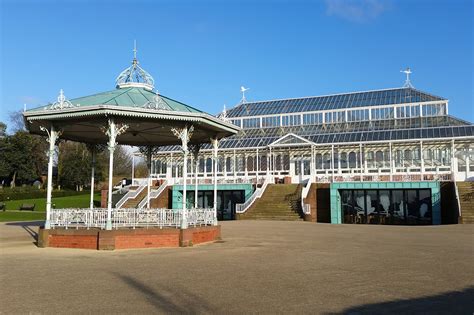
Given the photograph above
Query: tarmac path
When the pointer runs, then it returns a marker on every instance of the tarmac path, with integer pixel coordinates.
(258, 267)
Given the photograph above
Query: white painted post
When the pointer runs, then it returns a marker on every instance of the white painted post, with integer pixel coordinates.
(196, 167)
(111, 170)
(52, 138)
(184, 135)
(360, 163)
(92, 177)
(332, 161)
(133, 167)
(113, 131)
(422, 166)
(215, 144)
(391, 160)
(148, 188)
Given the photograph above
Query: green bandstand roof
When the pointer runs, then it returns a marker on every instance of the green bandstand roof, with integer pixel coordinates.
(129, 97)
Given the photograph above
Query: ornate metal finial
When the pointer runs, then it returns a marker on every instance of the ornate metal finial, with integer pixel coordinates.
(135, 76)
(407, 84)
(242, 90)
(223, 115)
(157, 103)
(62, 102)
(135, 49)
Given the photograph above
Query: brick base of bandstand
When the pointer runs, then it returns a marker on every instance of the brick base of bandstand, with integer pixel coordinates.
(127, 238)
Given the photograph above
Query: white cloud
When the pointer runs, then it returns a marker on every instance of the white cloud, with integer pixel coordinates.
(356, 10)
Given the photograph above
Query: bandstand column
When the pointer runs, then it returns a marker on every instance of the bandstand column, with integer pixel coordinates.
(195, 151)
(148, 163)
(215, 145)
(53, 136)
(112, 131)
(92, 149)
(184, 135)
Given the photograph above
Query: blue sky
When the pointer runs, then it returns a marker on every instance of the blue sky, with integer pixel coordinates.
(201, 52)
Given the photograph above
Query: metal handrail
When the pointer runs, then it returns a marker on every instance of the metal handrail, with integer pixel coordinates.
(129, 195)
(242, 207)
(304, 193)
(153, 194)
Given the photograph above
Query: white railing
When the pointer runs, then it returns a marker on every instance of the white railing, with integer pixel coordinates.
(456, 191)
(304, 193)
(200, 216)
(153, 194)
(242, 207)
(130, 218)
(139, 181)
(306, 208)
(133, 217)
(75, 218)
(131, 194)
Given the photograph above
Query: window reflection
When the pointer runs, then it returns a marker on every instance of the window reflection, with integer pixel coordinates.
(387, 206)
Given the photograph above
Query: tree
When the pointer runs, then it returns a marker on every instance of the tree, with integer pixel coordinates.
(3, 130)
(74, 165)
(24, 157)
(17, 122)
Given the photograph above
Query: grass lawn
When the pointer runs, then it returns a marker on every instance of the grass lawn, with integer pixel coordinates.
(14, 215)
(80, 201)
(12, 206)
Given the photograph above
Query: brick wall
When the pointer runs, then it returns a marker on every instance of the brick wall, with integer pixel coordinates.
(127, 238)
(163, 200)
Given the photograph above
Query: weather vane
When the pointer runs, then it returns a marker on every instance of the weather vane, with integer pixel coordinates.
(242, 90)
(135, 49)
(407, 84)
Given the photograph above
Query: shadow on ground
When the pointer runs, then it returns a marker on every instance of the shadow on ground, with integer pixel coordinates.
(454, 302)
(31, 227)
(167, 300)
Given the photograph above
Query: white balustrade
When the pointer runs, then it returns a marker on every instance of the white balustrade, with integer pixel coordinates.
(304, 193)
(242, 207)
(129, 218)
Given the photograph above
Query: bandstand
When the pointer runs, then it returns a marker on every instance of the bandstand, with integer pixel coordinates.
(133, 114)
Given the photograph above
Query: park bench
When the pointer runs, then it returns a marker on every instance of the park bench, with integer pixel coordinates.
(27, 206)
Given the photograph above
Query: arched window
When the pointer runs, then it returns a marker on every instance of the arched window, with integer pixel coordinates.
(220, 163)
(352, 160)
(286, 162)
(343, 158)
(228, 165)
(262, 160)
(379, 158)
(408, 155)
(278, 163)
(250, 165)
(209, 165)
(319, 161)
(327, 161)
(201, 165)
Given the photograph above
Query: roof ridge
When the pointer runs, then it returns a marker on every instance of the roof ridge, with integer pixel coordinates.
(334, 94)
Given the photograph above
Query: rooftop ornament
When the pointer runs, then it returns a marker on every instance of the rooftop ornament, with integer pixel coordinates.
(407, 84)
(61, 103)
(135, 76)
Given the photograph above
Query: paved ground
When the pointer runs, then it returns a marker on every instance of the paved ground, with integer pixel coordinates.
(259, 267)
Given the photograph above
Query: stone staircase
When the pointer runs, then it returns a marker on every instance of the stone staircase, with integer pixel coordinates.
(466, 199)
(279, 202)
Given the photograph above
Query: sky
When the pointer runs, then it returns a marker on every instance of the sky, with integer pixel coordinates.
(201, 52)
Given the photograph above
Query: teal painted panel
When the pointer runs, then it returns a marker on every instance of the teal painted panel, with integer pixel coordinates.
(336, 215)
